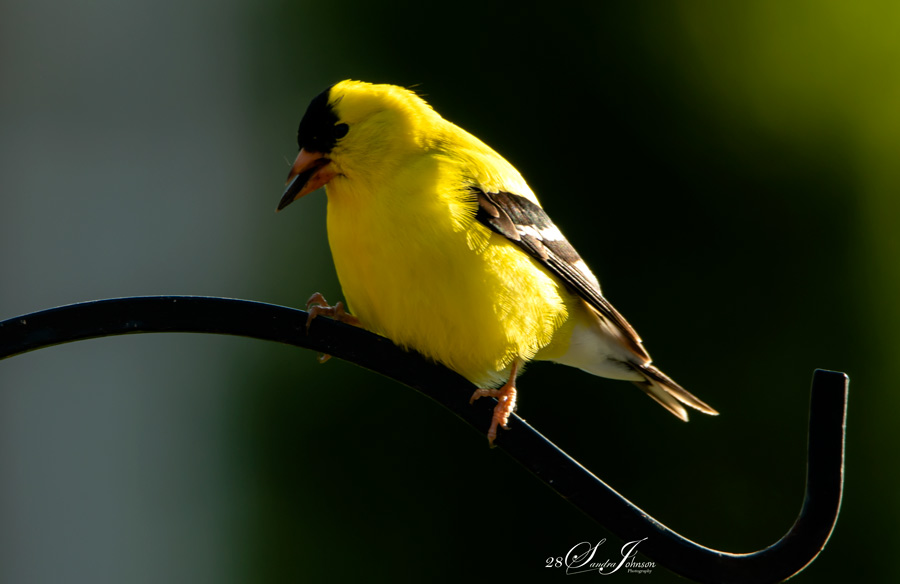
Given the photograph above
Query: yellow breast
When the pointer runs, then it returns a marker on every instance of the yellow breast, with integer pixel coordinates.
(416, 267)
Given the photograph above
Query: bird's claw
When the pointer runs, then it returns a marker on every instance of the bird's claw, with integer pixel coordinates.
(316, 306)
(506, 405)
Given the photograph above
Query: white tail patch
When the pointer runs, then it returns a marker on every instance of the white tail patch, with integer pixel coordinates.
(593, 349)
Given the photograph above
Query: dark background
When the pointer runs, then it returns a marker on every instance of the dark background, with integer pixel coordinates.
(729, 171)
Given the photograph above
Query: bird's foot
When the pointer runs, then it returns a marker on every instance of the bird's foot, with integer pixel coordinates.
(318, 306)
(506, 403)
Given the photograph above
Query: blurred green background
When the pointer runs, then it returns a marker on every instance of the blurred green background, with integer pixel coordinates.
(730, 170)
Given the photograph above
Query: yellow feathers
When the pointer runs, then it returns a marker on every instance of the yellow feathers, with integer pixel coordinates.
(440, 246)
(473, 316)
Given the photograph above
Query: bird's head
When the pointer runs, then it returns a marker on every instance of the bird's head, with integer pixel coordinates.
(352, 128)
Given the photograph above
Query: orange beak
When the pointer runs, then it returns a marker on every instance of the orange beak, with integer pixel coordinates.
(310, 171)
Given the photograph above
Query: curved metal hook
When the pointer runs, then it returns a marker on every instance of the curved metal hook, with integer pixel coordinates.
(783, 559)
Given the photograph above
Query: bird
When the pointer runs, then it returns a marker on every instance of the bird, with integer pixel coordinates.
(440, 245)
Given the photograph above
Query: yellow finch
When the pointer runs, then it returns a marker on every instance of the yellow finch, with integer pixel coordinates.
(440, 246)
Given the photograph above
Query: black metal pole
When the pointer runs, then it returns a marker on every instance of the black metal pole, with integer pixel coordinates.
(776, 563)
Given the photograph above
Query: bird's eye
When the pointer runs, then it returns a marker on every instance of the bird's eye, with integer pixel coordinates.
(341, 130)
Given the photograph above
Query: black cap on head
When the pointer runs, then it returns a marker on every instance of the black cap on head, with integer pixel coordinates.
(319, 130)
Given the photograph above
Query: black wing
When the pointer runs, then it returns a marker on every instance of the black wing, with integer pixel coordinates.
(528, 226)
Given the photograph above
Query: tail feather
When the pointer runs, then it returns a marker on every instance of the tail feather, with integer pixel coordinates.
(669, 394)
